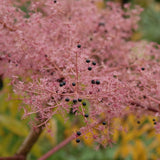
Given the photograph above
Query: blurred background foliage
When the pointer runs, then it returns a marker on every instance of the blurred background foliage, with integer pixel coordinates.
(150, 19)
(139, 143)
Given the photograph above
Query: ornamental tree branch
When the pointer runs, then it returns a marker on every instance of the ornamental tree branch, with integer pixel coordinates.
(29, 142)
(27, 145)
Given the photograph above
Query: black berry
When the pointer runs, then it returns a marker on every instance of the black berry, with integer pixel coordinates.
(77, 140)
(144, 97)
(84, 103)
(67, 99)
(155, 123)
(61, 84)
(89, 68)
(87, 61)
(154, 120)
(78, 133)
(86, 115)
(142, 68)
(55, 1)
(78, 46)
(101, 24)
(79, 100)
(138, 122)
(64, 83)
(104, 123)
(73, 84)
(74, 101)
(93, 81)
(94, 63)
(97, 82)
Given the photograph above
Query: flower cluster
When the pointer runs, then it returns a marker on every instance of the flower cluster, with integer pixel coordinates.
(73, 57)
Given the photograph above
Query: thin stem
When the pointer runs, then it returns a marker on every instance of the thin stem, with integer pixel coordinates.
(147, 108)
(58, 147)
(76, 73)
(153, 99)
(7, 27)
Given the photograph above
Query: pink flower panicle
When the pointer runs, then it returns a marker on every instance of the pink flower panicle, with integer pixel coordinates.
(72, 57)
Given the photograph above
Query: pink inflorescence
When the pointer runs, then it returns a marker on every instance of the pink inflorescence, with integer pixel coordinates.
(72, 57)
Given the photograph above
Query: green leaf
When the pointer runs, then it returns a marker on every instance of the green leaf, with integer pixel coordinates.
(13, 125)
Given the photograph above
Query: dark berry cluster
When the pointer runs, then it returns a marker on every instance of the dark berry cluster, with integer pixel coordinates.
(61, 84)
(154, 122)
(95, 82)
(75, 101)
(88, 61)
(93, 63)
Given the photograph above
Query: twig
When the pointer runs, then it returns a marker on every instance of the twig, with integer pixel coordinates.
(59, 146)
